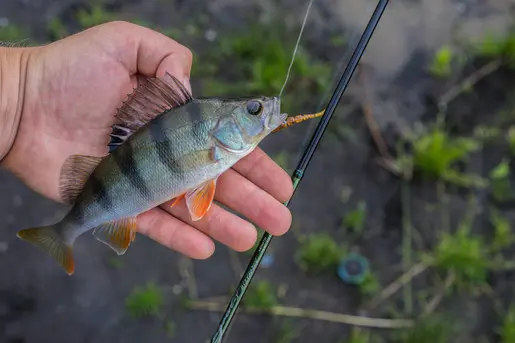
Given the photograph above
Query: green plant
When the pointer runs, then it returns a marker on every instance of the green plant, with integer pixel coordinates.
(370, 285)
(511, 139)
(56, 29)
(282, 159)
(441, 66)
(170, 328)
(435, 153)
(145, 301)
(427, 329)
(500, 182)
(258, 58)
(503, 237)
(495, 46)
(260, 295)
(507, 329)
(96, 15)
(318, 252)
(12, 34)
(286, 333)
(355, 219)
(115, 261)
(464, 255)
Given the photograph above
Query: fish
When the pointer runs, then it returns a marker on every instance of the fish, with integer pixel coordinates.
(165, 145)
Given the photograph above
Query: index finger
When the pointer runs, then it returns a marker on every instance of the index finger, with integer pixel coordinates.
(262, 170)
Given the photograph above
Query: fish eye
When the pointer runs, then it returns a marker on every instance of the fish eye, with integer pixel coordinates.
(254, 107)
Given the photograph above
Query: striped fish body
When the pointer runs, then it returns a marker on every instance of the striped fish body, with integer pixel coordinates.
(170, 155)
(175, 152)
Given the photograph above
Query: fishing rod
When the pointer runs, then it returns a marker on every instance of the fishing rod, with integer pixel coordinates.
(300, 170)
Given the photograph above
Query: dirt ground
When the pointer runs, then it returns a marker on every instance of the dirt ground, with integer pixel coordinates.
(38, 303)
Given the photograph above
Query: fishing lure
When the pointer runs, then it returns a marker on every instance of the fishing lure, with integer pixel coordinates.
(167, 146)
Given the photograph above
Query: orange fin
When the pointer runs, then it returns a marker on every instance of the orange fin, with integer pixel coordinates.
(47, 238)
(199, 200)
(117, 235)
(177, 199)
(74, 174)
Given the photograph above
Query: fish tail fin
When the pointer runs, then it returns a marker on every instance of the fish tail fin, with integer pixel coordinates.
(48, 239)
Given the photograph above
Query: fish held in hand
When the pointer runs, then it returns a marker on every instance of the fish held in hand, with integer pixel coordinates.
(166, 146)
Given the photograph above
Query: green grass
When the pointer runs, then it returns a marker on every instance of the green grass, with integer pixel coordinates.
(115, 261)
(319, 252)
(432, 329)
(359, 336)
(511, 139)
(441, 65)
(287, 332)
(499, 180)
(170, 329)
(370, 285)
(463, 254)
(354, 220)
(282, 158)
(507, 328)
(496, 46)
(254, 61)
(56, 29)
(503, 235)
(260, 295)
(435, 153)
(96, 15)
(145, 300)
(13, 34)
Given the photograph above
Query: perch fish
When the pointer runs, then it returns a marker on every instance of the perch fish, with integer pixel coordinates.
(167, 145)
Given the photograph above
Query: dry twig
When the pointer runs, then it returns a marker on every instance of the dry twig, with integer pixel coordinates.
(311, 314)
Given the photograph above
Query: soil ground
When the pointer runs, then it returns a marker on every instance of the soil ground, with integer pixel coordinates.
(38, 303)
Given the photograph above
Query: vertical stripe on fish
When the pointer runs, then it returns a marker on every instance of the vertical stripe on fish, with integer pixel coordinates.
(195, 115)
(164, 148)
(100, 190)
(124, 158)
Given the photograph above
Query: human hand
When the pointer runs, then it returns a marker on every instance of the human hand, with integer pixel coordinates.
(70, 92)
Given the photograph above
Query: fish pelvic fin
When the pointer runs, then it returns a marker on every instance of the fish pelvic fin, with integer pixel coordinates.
(74, 174)
(118, 235)
(200, 199)
(48, 239)
(177, 199)
(148, 100)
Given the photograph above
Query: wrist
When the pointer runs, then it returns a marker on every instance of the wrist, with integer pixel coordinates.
(13, 69)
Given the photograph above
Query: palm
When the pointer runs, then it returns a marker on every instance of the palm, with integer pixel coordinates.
(73, 89)
(71, 108)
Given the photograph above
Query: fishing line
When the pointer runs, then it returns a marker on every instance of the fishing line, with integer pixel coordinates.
(298, 174)
(296, 46)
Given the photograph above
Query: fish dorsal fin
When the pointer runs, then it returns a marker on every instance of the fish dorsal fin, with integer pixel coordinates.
(74, 174)
(147, 101)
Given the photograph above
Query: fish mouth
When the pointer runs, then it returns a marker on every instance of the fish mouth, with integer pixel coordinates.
(276, 119)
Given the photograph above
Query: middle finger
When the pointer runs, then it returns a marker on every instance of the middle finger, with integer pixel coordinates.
(218, 223)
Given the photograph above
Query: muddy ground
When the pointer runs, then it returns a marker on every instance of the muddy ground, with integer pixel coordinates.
(38, 303)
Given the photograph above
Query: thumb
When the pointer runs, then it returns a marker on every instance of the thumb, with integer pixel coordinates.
(145, 51)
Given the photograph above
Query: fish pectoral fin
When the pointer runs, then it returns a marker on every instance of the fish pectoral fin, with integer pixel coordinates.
(117, 235)
(47, 238)
(148, 100)
(74, 175)
(199, 199)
